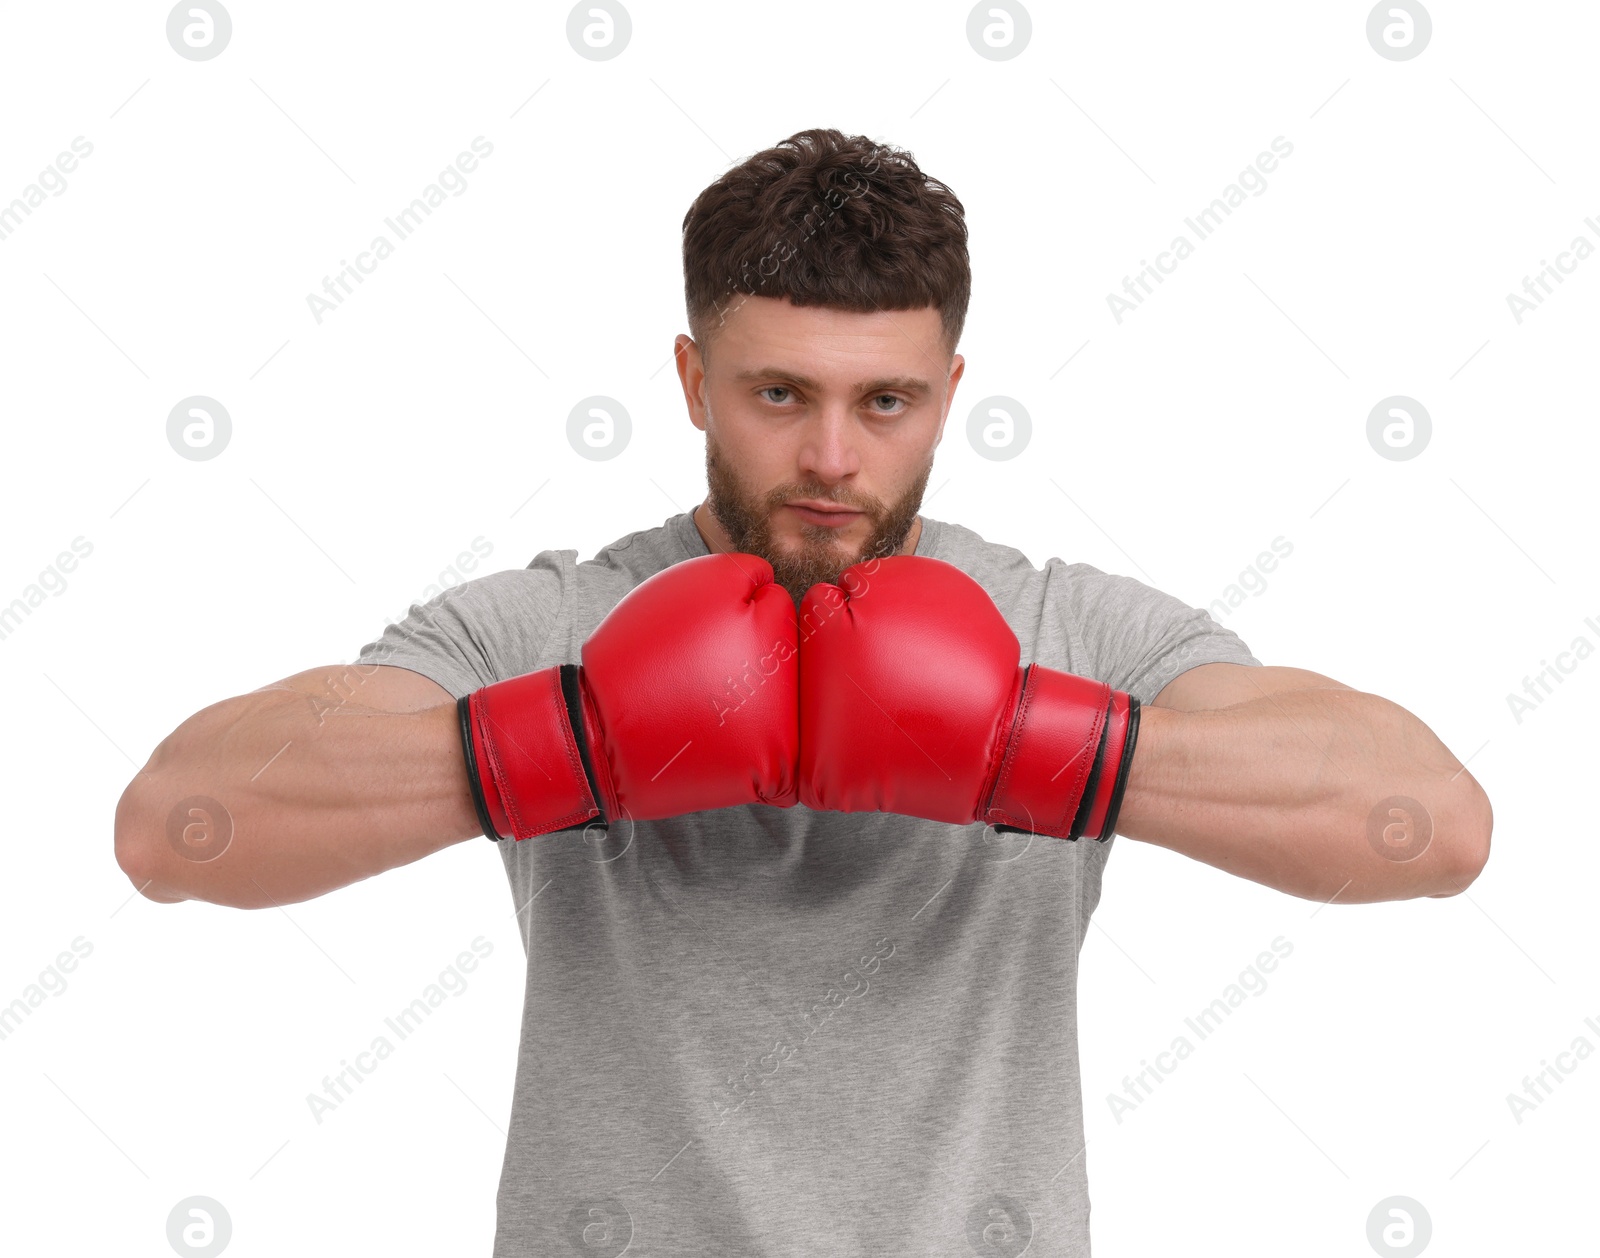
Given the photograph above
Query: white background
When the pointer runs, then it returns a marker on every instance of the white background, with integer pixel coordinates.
(369, 450)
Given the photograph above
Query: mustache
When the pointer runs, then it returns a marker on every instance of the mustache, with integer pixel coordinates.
(781, 496)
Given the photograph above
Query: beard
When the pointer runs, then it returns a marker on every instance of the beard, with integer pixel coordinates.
(747, 519)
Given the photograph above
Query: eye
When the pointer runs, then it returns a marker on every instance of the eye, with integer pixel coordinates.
(891, 398)
(780, 388)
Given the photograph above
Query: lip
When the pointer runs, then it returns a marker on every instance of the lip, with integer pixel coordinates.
(833, 517)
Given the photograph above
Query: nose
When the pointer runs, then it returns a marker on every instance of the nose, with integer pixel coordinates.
(829, 451)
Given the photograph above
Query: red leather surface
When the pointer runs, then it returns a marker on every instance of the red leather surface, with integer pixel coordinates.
(691, 690)
(1051, 753)
(528, 764)
(690, 700)
(912, 701)
(908, 678)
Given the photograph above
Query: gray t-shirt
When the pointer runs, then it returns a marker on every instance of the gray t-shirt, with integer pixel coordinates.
(757, 1030)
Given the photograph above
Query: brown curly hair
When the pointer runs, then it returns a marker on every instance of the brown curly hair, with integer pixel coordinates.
(826, 219)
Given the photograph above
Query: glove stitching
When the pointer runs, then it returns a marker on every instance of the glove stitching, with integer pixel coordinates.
(1009, 761)
(508, 798)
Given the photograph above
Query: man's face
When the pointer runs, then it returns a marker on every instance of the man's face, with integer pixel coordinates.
(820, 431)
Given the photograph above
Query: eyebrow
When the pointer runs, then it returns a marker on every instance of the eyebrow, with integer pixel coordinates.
(905, 384)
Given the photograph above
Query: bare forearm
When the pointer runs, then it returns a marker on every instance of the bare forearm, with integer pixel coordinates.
(301, 800)
(1284, 789)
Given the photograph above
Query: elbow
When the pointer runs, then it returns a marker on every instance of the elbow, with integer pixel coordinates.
(134, 837)
(1468, 850)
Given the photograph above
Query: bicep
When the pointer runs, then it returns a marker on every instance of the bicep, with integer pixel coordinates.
(1222, 685)
(380, 687)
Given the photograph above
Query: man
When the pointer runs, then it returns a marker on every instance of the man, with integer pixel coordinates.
(787, 991)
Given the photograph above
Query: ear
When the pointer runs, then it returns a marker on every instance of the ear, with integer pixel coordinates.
(958, 364)
(692, 375)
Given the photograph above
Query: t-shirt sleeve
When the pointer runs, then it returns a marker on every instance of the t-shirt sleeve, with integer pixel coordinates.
(482, 631)
(1138, 638)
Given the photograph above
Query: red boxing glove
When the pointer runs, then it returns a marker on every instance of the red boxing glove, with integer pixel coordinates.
(912, 701)
(687, 698)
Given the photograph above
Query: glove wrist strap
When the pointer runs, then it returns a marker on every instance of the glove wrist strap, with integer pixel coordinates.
(527, 756)
(1067, 759)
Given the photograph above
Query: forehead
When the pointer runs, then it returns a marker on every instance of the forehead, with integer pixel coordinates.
(758, 327)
